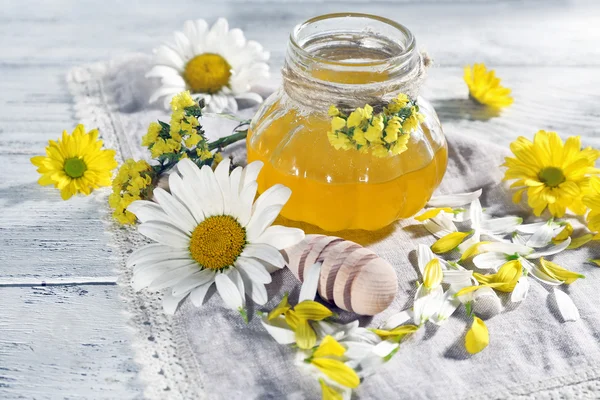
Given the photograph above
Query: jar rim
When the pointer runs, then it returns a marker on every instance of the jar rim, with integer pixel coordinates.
(407, 50)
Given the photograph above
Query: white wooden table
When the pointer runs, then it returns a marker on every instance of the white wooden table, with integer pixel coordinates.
(69, 339)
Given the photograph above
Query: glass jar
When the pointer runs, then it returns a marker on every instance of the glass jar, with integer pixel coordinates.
(347, 60)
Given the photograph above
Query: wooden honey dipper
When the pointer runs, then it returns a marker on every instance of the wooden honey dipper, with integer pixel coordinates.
(352, 277)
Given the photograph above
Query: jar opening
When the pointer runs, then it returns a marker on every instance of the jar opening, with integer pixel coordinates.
(353, 40)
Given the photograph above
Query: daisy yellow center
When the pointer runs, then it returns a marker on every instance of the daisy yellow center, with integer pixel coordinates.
(207, 73)
(217, 242)
(552, 176)
(75, 167)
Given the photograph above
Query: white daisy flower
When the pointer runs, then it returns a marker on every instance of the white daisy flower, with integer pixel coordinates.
(210, 230)
(217, 64)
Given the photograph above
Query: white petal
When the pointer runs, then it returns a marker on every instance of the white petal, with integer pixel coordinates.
(170, 254)
(179, 215)
(149, 252)
(144, 277)
(275, 195)
(260, 221)
(506, 248)
(424, 256)
(254, 269)
(279, 330)
(169, 57)
(476, 214)
(398, 319)
(164, 233)
(171, 302)
(159, 71)
(222, 176)
(518, 239)
(530, 229)
(199, 278)
(444, 220)
(551, 250)
(249, 97)
(264, 252)
(458, 279)
(250, 173)
(490, 260)
(185, 195)
(169, 92)
(435, 229)
(236, 278)
(173, 276)
(356, 351)
(213, 198)
(197, 296)
(454, 200)
(426, 304)
(520, 291)
(448, 306)
(234, 191)
(229, 292)
(282, 237)
(312, 274)
(565, 305)
(542, 237)
(244, 206)
(501, 225)
(256, 290)
(384, 348)
(145, 211)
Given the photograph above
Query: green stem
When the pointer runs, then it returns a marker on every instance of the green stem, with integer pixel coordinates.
(227, 140)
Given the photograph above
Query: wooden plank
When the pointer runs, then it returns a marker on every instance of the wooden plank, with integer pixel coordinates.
(65, 342)
(503, 33)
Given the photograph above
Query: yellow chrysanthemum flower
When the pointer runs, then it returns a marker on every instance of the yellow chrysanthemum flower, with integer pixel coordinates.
(554, 175)
(592, 200)
(76, 163)
(485, 88)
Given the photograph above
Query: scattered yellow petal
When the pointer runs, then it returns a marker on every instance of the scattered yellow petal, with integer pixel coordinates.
(292, 319)
(597, 262)
(580, 241)
(432, 213)
(306, 337)
(399, 331)
(337, 371)
(449, 242)
(563, 234)
(477, 337)
(311, 310)
(329, 393)
(559, 273)
(329, 347)
(281, 308)
(472, 251)
(433, 274)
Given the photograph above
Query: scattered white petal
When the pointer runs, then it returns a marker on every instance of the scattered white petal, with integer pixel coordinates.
(567, 308)
(490, 260)
(555, 249)
(476, 214)
(503, 225)
(398, 319)
(279, 330)
(542, 237)
(520, 291)
(424, 255)
(506, 248)
(308, 291)
(454, 200)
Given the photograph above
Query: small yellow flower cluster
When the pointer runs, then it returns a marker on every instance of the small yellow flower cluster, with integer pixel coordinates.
(183, 137)
(383, 134)
(133, 182)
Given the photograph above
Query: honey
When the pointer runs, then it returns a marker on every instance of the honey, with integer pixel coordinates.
(344, 189)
